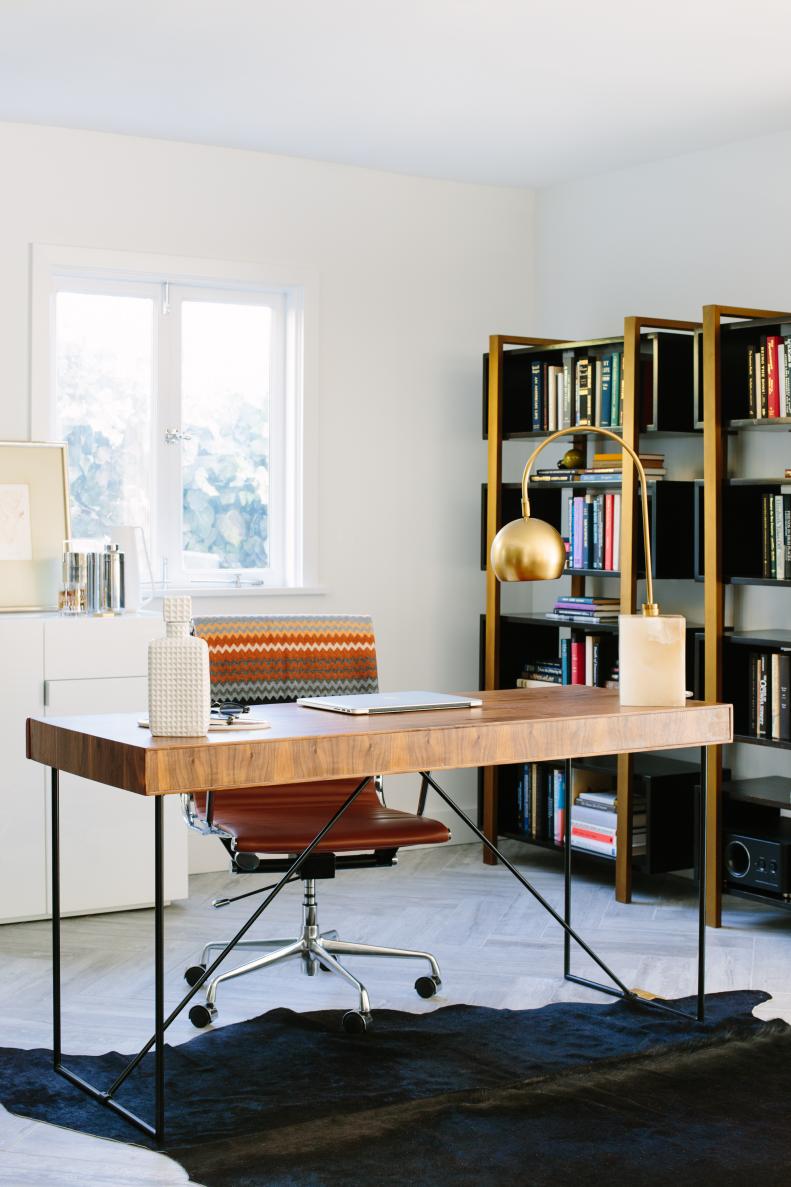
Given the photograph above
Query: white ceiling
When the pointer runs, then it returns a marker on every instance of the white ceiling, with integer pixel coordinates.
(508, 92)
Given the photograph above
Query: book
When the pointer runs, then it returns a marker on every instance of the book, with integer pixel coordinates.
(609, 507)
(587, 619)
(597, 378)
(584, 392)
(568, 388)
(782, 377)
(773, 341)
(579, 519)
(535, 394)
(784, 681)
(577, 662)
(605, 411)
(616, 402)
(774, 685)
(752, 390)
(565, 661)
(780, 548)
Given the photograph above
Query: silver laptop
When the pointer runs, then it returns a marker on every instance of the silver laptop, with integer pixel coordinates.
(389, 702)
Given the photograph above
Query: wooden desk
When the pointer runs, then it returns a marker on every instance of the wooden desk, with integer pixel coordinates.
(521, 725)
(515, 725)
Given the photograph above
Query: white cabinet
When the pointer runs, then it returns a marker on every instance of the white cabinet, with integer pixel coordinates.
(23, 851)
(66, 666)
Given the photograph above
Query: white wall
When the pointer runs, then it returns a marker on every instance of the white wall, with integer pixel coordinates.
(414, 275)
(663, 240)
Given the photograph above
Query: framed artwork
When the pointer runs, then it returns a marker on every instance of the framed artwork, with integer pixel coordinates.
(34, 523)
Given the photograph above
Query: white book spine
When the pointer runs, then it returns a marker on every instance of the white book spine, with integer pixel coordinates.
(780, 552)
(616, 530)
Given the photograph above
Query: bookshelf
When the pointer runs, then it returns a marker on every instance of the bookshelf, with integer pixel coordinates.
(731, 558)
(660, 362)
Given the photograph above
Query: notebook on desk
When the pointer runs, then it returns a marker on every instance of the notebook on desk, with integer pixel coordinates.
(389, 702)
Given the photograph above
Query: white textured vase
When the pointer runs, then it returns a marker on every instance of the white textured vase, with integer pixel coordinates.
(179, 704)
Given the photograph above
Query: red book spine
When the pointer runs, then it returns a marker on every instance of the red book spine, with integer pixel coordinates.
(577, 662)
(609, 508)
(772, 385)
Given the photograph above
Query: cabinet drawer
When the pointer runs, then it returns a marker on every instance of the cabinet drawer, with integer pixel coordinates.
(120, 694)
(89, 648)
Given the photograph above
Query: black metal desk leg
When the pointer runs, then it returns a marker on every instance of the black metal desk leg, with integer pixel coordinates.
(55, 892)
(567, 871)
(702, 856)
(159, 973)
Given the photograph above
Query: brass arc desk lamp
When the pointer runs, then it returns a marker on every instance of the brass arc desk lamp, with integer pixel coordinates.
(651, 646)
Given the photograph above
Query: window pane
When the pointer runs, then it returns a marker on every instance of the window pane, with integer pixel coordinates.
(225, 402)
(104, 393)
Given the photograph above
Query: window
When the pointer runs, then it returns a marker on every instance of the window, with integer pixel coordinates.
(181, 404)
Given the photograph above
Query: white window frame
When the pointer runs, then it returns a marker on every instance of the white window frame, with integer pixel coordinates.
(294, 478)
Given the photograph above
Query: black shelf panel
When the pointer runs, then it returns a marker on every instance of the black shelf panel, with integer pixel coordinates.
(751, 740)
(527, 839)
(771, 791)
(758, 896)
(539, 620)
(757, 581)
(764, 638)
(592, 572)
(763, 422)
(768, 482)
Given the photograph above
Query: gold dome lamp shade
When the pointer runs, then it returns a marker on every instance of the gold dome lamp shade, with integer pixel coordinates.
(651, 647)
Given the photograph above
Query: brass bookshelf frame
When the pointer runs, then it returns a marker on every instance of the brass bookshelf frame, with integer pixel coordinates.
(633, 328)
(714, 476)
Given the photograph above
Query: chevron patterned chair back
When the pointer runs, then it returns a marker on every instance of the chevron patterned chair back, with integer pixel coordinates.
(266, 659)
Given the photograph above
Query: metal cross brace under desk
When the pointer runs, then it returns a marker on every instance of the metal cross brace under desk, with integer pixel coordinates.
(512, 726)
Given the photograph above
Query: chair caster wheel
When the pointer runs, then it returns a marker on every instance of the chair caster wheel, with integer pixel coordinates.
(194, 973)
(427, 986)
(201, 1016)
(355, 1023)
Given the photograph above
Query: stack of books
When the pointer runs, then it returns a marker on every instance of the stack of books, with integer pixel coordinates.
(576, 391)
(769, 704)
(776, 535)
(594, 823)
(594, 531)
(541, 672)
(541, 802)
(769, 377)
(612, 463)
(584, 608)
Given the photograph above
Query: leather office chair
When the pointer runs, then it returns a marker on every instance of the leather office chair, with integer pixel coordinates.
(277, 658)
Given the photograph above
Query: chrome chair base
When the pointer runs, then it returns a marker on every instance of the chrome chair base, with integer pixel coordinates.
(317, 950)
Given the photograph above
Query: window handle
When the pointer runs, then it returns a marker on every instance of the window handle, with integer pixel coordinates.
(174, 435)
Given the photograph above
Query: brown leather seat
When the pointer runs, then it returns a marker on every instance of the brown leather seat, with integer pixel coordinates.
(286, 819)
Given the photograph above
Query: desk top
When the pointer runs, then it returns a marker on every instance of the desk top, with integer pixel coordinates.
(513, 725)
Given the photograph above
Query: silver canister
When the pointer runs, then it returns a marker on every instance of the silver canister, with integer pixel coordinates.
(93, 595)
(112, 579)
(73, 592)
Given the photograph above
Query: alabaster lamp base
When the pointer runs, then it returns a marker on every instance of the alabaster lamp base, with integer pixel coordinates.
(651, 659)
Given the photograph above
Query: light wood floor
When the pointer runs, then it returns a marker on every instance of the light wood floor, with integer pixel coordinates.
(494, 943)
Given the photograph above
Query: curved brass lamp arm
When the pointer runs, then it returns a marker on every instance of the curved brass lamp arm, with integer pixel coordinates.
(650, 606)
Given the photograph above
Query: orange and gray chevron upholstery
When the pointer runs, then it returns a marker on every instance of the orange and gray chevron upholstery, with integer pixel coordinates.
(279, 657)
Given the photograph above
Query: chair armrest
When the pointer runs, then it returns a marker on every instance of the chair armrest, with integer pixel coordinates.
(202, 824)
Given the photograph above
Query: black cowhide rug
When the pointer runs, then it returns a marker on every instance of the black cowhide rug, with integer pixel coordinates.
(567, 1094)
